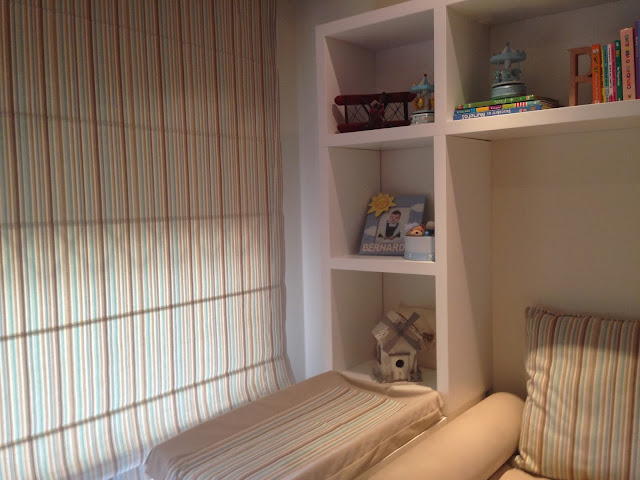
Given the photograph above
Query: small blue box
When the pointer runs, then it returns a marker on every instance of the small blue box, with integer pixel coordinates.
(420, 248)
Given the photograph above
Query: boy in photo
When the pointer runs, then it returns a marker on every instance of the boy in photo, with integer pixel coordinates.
(390, 230)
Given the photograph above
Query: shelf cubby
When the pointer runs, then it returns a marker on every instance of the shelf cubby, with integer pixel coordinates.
(478, 29)
(369, 55)
(355, 176)
(359, 300)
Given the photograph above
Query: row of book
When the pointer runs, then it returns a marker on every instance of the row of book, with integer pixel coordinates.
(615, 68)
(503, 106)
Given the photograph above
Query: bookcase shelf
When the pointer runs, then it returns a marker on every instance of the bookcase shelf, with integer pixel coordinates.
(451, 161)
(411, 136)
(366, 263)
(565, 120)
(363, 372)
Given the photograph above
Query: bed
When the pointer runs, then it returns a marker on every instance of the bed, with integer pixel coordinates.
(331, 426)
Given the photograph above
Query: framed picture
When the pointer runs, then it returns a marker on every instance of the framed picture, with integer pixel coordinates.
(384, 228)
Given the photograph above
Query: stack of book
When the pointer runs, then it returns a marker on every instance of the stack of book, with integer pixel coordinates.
(615, 68)
(503, 106)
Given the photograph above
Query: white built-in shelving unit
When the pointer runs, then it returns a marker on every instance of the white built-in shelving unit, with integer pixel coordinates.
(450, 161)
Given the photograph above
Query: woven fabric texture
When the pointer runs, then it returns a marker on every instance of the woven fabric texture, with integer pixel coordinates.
(581, 418)
(141, 247)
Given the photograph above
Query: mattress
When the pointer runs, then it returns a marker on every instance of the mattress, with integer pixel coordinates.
(331, 426)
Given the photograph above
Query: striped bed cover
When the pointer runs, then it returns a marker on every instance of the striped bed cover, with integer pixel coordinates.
(328, 427)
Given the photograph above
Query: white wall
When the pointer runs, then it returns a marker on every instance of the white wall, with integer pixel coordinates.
(565, 234)
(289, 131)
(296, 61)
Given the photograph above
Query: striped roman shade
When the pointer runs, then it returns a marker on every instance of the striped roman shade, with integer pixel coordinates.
(141, 256)
(581, 417)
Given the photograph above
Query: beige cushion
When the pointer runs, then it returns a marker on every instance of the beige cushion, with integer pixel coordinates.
(507, 472)
(581, 418)
(349, 447)
(471, 447)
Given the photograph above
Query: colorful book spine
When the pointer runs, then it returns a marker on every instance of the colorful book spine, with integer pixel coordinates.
(596, 76)
(612, 72)
(605, 73)
(628, 64)
(602, 75)
(500, 107)
(636, 46)
(501, 101)
(618, 57)
(492, 113)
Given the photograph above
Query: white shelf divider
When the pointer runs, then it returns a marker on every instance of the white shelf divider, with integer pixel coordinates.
(577, 119)
(364, 372)
(554, 121)
(371, 263)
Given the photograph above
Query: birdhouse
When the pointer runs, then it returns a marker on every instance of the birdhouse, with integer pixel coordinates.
(397, 351)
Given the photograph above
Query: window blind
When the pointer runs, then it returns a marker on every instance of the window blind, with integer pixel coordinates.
(141, 255)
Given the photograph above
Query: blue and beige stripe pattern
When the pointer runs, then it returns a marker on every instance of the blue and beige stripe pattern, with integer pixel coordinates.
(141, 248)
(284, 445)
(581, 417)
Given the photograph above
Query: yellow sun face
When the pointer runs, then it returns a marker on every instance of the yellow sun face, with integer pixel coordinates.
(381, 203)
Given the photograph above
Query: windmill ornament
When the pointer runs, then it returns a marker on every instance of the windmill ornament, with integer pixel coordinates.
(397, 352)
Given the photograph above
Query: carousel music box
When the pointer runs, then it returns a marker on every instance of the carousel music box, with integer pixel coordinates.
(423, 102)
(507, 75)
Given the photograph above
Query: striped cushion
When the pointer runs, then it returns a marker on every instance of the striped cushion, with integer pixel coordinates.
(581, 417)
(285, 445)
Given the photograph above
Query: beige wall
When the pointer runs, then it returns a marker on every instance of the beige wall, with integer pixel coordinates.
(297, 63)
(287, 12)
(566, 234)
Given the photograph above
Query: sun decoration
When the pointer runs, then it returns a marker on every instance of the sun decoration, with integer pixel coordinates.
(381, 203)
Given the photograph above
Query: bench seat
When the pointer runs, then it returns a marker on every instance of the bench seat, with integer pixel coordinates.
(331, 426)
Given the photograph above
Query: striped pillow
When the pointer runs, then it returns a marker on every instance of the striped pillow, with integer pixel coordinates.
(582, 414)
